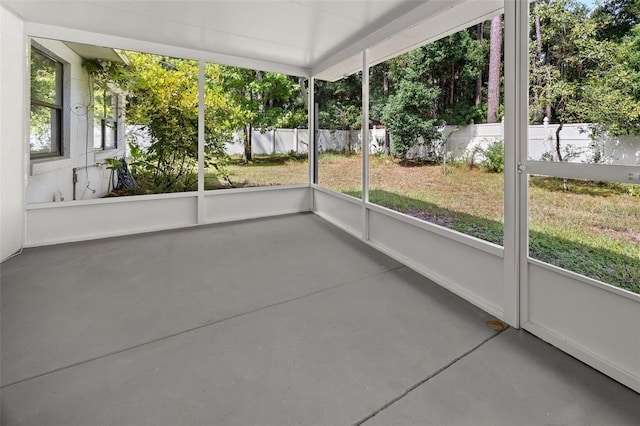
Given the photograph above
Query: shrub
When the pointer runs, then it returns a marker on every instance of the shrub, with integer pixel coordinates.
(494, 157)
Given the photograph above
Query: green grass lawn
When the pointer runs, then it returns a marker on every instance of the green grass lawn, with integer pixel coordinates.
(264, 170)
(592, 229)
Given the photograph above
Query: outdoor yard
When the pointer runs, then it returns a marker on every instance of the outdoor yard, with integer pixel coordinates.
(592, 229)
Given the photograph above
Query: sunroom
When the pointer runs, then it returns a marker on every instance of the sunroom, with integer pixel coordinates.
(353, 278)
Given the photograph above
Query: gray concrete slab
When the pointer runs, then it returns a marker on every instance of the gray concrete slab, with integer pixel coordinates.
(68, 303)
(516, 379)
(330, 358)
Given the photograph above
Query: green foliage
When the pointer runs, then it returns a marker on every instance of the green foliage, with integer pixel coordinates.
(618, 17)
(416, 93)
(410, 115)
(494, 157)
(113, 164)
(265, 100)
(611, 92)
(453, 64)
(340, 103)
(162, 97)
(586, 68)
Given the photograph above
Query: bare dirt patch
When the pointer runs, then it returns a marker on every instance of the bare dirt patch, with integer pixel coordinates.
(626, 234)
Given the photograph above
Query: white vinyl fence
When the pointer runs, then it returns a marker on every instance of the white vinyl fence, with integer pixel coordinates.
(276, 141)
(462, 143)
(282, 141)
(576, 145)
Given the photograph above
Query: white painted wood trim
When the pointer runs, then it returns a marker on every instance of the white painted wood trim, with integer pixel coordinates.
(585, 355)
(112, 200)
(586, 280)
(201, 140)
(604, 172)
(365, 144)
(474, 242)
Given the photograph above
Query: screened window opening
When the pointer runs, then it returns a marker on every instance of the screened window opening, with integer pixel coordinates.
(105, 117)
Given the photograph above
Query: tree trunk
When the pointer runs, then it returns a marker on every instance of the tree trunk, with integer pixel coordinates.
(260, 95)
(495, 59)
(246, 155)
(303, 91)
(558, 152)
(452, 85)
(548, 67)
(565, 185)
(538, 112)
(385, 90)
(480, 37)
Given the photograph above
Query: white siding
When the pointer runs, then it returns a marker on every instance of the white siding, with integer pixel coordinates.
(12, 129)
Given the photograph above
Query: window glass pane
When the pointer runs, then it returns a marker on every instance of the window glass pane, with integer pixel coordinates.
(592, 228)
(436, 132)
(339, 137)
(46, 78)
(110, 134)
(105, 118)
(44, 130)
(255, 128)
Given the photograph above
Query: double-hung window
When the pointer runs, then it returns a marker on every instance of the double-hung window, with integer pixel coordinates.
(105, 113)
(47, 105)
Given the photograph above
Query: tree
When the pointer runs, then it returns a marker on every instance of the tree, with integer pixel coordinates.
(479, 82)
(610, 93)
(266, 100)
(561, 50)
(618, 18)
(537, 61)
(453, 64)
(495, 65)
(579, 75)
(410, 113)
(340, 103)
(379, 91)
(162, 97)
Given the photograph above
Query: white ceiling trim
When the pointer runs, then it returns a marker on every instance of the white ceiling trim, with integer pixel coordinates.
(427, 23)
(33, 29)
(394, 27)
(386, 31)
(438, 27)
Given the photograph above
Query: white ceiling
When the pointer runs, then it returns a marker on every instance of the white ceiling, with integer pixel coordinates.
(311, 36)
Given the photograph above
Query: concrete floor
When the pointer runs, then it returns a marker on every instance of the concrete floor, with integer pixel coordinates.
(281, 321)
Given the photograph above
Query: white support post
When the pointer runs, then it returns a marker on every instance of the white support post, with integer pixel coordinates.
(312, 150)
(201, 142)
(515, 135)
(365, 143)
(522, 153)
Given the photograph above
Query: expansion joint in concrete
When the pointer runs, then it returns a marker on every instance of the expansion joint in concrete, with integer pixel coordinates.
(425, 380)
(192, 329)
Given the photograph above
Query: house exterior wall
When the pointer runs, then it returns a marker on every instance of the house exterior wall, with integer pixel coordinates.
(12, 133)
(51, 179)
